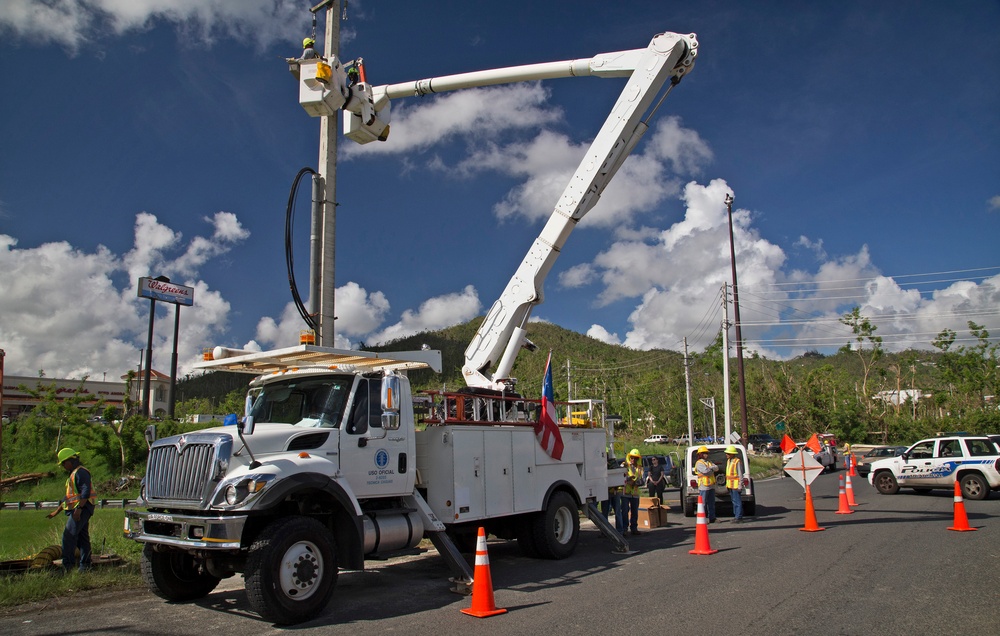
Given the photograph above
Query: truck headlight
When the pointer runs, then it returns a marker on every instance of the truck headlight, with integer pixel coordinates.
(239, 491)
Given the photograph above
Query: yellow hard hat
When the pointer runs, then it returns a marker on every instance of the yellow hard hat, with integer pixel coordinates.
(702, 449)
(731, 450)
(634, 453)
(307, 41)
(67, 453)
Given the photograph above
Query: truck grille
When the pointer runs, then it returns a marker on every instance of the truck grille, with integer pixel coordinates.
(179, 473)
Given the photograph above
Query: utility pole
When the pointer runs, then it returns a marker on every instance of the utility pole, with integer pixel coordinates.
(726, 406)
(324, 262)
(687, 390)
(569, 384)
(739, 336)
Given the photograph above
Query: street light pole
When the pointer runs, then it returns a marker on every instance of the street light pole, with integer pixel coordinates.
(736, 314)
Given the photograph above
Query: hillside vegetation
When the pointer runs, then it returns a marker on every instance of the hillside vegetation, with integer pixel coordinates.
(813, 393)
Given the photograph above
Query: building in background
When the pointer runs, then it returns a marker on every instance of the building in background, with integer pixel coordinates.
(17, 400)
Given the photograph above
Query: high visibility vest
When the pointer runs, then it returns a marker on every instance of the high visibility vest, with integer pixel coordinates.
(733, 474)
(72, 496)
(705, 481)
(633, 474)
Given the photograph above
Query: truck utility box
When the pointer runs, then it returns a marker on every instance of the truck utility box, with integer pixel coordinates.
(476, 472)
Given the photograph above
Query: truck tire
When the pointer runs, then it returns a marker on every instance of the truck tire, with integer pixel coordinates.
(750, 507)
(689, 503)
(175, 576)
(557, 528)
(291, 570)
(885, 483)
(973, 486)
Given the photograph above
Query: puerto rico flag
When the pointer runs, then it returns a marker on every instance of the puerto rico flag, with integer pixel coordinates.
(546, 429)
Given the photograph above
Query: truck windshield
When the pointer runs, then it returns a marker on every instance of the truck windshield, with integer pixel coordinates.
(314, 402)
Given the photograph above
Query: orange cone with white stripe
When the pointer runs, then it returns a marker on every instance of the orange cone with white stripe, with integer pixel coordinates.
(482, 583)
(850, 492)
(961, 519)
(811, 525)
(701, 543)
(852, 460)
(844, 508)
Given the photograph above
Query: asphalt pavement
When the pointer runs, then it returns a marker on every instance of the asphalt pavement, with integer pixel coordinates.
(891, 567)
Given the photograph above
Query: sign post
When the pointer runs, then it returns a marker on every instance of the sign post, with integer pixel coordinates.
(803, 467)
(160, 288)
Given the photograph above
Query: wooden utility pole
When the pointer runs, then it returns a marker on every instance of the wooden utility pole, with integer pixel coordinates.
(739, 336)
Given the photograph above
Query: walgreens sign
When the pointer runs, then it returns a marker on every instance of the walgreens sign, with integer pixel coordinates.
(165, 291)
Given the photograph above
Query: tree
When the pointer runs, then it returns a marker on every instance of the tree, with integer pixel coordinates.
(864, 333)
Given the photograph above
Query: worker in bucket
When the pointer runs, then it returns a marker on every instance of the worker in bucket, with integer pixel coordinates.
(79, 506)
(308, 49)
(705, 471)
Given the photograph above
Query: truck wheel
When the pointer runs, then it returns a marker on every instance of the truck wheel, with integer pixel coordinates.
(689, 503)
(973, 486)
(750, 507)
(557, 528)
(885, 483)
(174, 575)
(291, 570)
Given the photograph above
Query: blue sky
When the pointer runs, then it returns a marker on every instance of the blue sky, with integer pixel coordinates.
(138, 138)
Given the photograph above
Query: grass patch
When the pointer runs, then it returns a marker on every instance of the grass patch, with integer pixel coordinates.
(27, 532)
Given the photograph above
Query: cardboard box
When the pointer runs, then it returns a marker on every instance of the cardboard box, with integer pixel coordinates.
(663, 517)
(649, 502)
(649, 517)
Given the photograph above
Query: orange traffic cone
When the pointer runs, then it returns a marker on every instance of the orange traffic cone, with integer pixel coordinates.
(811, 525)
(844, 508)
(852, 460)
(850, 492)
(961, 519)
(482, 583)
(701, 543)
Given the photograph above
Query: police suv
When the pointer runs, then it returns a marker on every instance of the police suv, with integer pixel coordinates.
(939, 462)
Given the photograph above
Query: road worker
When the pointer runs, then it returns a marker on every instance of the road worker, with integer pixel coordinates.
(734, 481)
(79, 505)
(705, 471)
(633, 482)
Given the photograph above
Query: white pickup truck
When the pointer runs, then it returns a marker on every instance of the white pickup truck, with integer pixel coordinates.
(939, 462)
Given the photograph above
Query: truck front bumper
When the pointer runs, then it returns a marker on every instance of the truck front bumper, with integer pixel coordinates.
(185, 531)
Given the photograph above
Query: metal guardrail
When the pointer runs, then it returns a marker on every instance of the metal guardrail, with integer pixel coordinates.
(43, 505)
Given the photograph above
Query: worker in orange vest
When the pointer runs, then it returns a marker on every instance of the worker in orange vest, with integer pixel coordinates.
(79, 505)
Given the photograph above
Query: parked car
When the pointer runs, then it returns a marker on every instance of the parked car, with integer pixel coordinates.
(875, 454)
(716, 455)
(763, 443)
(683, 440)
(974, 462)
(657, 439)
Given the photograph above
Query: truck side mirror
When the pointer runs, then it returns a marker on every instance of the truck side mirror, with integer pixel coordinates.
(247, 426)
(390, 402)
(150, 435)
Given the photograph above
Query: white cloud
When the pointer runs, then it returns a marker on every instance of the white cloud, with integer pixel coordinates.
(598, 332)
(76, 23)
(994, 203)
(73, 313)
(435, 313)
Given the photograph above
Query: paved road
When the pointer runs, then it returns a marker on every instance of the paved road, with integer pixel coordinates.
(892, 567)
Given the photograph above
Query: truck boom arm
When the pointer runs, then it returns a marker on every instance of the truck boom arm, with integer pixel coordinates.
(503, 332)
(669, 57)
